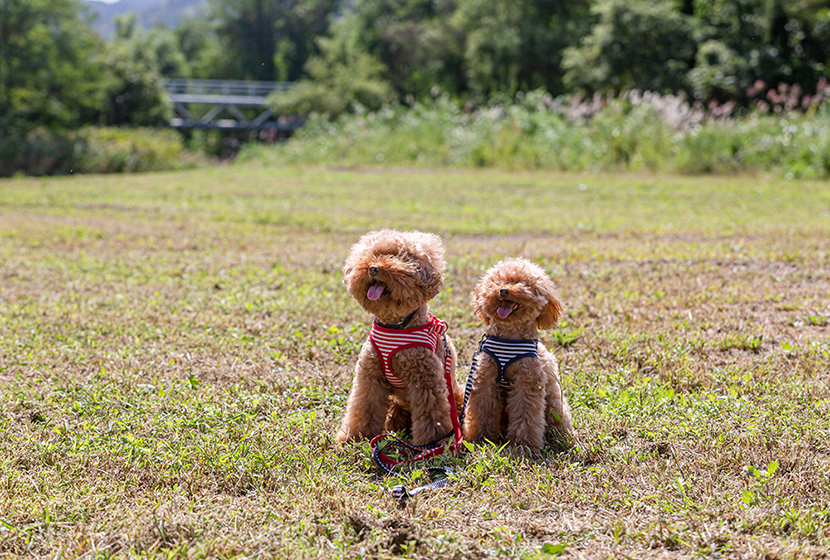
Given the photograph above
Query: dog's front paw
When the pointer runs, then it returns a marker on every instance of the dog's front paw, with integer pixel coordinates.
(344, 436)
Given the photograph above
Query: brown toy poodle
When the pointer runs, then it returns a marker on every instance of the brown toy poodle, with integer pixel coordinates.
(402, 372)
(516, 394)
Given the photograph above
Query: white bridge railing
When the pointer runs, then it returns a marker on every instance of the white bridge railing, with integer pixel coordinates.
(177, 86)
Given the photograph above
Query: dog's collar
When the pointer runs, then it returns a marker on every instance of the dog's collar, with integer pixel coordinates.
(401, 325)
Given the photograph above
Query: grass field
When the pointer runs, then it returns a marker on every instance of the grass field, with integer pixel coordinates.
(176, 351)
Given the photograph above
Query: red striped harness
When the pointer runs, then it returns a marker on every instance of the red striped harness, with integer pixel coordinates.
(388, 342)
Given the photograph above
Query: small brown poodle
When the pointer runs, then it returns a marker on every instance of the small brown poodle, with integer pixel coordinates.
(400, 381)
(516, 393)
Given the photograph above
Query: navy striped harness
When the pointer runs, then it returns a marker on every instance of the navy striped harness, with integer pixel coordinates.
(505, 351)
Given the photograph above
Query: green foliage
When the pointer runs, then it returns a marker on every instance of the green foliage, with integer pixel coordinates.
(769, 55)
(514, 45)
(156, 49)
(37, 152)
(341, 78)
(56, 73)
(634, 44)
(135, 62)
(415, 41)
(719, 72)
(257, 35)
(480, 49)
(203, 49)
(246, 31)
(493, 45)
(779, 41)
(535, 132)
(92, 150)
(119, 150)
(468, 46)
(49, 75)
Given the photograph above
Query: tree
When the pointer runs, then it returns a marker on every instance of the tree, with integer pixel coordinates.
(156, 49)
(270, 39)
(645, 44)
(341, 77)
(470, 46)
(517, 45)
(774, 41)
(49, 65)
(135, 61)
(202, 48)
(415, 41)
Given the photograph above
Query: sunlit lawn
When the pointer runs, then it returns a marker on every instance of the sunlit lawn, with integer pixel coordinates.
(176, 350)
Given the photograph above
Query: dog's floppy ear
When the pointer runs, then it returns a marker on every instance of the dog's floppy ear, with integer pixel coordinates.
(553, 309)
(347, 273)
(428, 250)
(477, 301)
(429, 277)
(425, 272)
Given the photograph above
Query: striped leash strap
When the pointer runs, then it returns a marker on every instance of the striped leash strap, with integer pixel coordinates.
(401, 494)
(468, 387)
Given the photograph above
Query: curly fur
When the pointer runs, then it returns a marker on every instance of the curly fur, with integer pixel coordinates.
(534, 407)
(401, 271)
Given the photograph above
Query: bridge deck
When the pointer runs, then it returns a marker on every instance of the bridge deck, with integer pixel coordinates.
(209, 99)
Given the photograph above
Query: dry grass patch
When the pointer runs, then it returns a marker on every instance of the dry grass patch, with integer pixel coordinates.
(177, 349)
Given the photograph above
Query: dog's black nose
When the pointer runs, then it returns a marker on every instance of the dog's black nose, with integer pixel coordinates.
(373, 270)
(504, 292)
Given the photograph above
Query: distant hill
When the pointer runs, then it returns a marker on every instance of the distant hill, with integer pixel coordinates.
(150, 12)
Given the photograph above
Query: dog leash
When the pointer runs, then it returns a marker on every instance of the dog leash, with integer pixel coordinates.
(414, 453)
(421, 452)
(383, 444)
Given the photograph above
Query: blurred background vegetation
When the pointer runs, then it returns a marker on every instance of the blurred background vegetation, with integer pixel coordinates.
(675, 85)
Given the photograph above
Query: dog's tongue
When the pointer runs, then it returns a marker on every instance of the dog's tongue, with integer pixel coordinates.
(375, 291)
(505, 310)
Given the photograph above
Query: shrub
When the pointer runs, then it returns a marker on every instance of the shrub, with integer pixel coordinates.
(636, 131)
(38, 152)
(92, 150)
(117, 150)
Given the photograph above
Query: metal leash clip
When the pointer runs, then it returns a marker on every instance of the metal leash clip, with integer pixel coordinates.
(402, 495)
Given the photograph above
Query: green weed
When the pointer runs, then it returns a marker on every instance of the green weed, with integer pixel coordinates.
(177, 350)
(535, 133)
